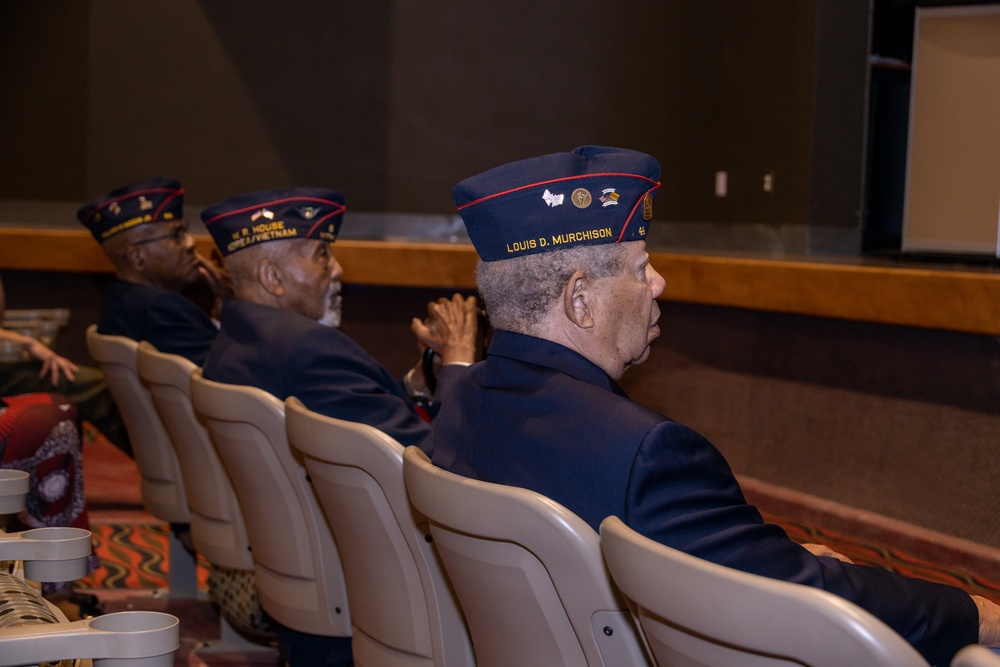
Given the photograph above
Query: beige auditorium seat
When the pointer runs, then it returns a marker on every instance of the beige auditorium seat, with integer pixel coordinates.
(299, 575)
(217, 528)
(976, 656)
(698, 614)
(34, 631)
(528, 573)
(163, 493)
(403, 609)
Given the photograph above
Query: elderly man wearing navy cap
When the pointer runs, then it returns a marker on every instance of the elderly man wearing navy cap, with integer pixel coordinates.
(276, 245)
(279, 333)
(141, 229)
(568, 287)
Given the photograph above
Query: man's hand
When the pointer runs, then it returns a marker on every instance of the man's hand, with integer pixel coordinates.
(215, 275)
(989, 622)
(823, 550)
(450, 329)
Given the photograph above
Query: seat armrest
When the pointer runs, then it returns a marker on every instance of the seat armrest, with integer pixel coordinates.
(49, 554)
(144, 638)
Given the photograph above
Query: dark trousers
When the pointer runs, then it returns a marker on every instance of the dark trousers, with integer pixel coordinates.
(300, 649)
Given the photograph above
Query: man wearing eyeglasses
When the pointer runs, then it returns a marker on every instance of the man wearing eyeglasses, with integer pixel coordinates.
(141, 229)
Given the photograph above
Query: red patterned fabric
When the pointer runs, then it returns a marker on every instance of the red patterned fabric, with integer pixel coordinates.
(40, 434)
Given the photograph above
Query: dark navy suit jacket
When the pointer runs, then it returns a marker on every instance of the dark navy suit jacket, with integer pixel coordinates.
(287, 354)
(540, 416)
(170, 321)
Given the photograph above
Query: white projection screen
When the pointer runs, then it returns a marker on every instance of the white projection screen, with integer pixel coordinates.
(952, 202)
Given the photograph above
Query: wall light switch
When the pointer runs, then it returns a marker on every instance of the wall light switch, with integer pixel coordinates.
(721, 183)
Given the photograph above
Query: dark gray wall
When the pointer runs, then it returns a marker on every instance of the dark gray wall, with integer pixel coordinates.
(43, 118)
(394, 102)
(895, 420)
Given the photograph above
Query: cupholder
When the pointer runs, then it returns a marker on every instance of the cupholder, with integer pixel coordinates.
(13, 489)
(56, 554)
(57, 534)
(11, 476)
(142, 638)
(69, 569)
(133, 621)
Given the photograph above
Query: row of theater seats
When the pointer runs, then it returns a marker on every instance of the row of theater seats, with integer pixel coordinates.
(32, 631)
(347, 533)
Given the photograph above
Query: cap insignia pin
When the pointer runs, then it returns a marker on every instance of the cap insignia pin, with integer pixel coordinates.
(551, 199)
(262, 213)
(608, 198)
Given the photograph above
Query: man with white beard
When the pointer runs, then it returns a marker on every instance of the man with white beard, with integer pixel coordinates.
(279, 334)
(276, 244)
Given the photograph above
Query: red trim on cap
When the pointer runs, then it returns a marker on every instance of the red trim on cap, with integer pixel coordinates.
(130, 195)
(324, 219)
(275, 203)
(166, 201)
(556, 180)
(630, 215)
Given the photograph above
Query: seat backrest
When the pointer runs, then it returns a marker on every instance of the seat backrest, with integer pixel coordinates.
(163, 492)
(528, 573)
(976, 656)
(298, 571)
(217, 527)
(697, 613)
(402, 606)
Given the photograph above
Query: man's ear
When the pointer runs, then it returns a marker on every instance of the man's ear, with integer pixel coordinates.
(270, 278)
(135, 257)
(576, 300)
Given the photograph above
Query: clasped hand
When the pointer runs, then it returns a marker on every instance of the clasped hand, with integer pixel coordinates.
(450, 329)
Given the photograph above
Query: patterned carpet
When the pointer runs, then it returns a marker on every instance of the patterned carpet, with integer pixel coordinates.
(133, 556)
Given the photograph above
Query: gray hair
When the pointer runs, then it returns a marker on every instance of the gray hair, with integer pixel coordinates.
(243, 265)
(518, 292)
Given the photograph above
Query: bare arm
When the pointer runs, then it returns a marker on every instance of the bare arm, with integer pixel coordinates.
(53, 365)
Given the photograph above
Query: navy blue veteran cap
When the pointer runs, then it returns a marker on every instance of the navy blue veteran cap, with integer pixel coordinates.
(272, 215)
(590, 196)
(153, 200)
